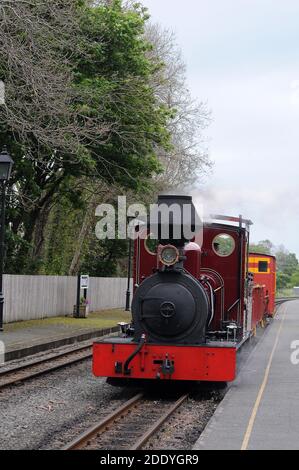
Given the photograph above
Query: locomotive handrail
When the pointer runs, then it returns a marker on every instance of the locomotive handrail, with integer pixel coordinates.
(134, 353)
(229, 218)
(233, 305)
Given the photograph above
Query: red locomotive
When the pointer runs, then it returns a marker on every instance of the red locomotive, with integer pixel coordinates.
(193, 306)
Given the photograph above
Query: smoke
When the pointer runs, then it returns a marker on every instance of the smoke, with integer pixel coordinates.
(274, 213)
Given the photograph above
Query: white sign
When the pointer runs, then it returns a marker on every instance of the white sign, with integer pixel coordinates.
(2, 92)
(84, 281)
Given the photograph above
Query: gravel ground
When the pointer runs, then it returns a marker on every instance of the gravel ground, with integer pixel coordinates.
(49, 411)
(184, 427)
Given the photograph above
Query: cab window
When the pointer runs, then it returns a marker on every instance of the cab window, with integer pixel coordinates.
(223, 244)
(263, 266)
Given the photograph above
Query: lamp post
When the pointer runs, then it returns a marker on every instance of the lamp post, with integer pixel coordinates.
(6, 163)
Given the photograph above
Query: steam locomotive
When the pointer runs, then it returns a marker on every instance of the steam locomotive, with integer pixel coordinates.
(195, 303)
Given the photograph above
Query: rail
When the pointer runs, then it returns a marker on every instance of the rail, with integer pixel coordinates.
(129, 427)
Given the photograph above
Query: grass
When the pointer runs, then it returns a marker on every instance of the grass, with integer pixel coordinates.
(95, 320)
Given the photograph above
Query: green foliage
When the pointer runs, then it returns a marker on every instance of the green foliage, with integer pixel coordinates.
(264, 247)
(113, 78)
(61, 234)
(102, 257)
(286, 263)
(99, 119)
(287, 268)
(97, 258)
(16, 252)
(282, 280)
(294, 281)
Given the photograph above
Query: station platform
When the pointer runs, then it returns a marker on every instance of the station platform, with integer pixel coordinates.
(260, 410)
(21, 339)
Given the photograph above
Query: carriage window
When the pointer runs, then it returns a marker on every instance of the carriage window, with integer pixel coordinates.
(151, 245)
(223, 244)
(263, 266)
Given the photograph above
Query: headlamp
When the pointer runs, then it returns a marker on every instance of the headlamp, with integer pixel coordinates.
(169, 255)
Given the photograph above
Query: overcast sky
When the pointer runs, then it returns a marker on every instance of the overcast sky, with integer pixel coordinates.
(242, 57)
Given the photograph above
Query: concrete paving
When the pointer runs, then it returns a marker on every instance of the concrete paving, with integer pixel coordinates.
(21, 343)
(25, 338)
(260, 410)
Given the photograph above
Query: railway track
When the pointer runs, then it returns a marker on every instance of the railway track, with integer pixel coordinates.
(44, 365)
(130, 426)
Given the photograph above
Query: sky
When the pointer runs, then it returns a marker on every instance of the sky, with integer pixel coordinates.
(242, 58)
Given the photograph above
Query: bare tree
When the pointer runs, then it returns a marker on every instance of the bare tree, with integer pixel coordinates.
(39, 79)
(39, 44)
(188, 159)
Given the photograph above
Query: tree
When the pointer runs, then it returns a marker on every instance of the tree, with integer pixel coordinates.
(282, 280)
(287, 267)
(286, 262)
(294, 281)
(96, 103)
(79, 106)
(187, 159)
(102, 258)
(264, 246)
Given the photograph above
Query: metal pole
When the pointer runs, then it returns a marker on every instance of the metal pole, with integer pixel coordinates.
(2, 241)
(128, 293)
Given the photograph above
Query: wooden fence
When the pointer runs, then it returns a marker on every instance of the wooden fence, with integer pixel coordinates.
(33, 297)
